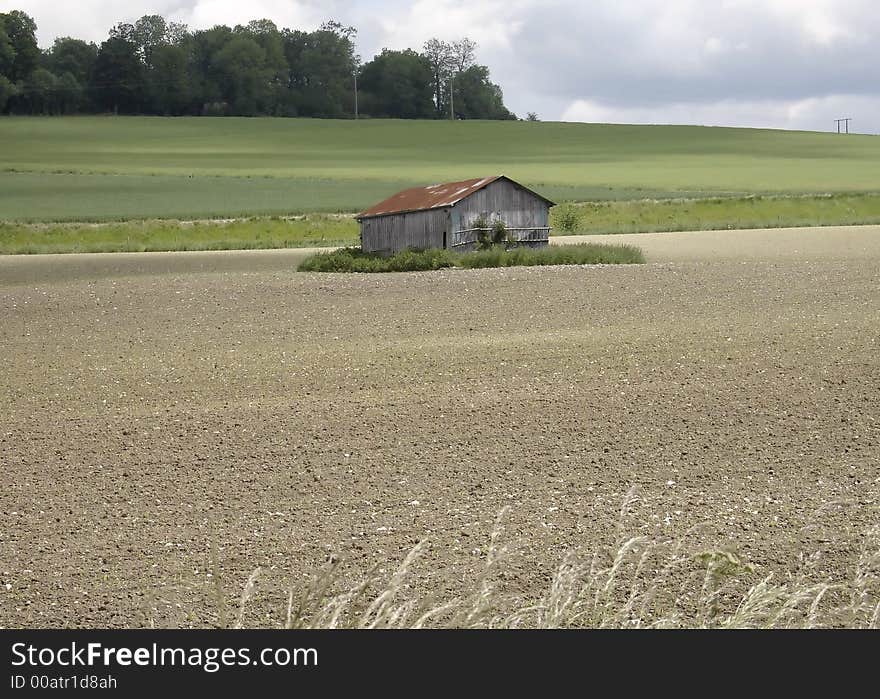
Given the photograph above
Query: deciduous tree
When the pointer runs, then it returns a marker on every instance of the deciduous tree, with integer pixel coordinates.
(439, 55)
(477, 97)
(72, 56)
(118, 77)
(397, 84)
(21, 33)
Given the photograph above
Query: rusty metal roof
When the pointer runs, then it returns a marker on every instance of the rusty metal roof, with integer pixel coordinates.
(435, 196)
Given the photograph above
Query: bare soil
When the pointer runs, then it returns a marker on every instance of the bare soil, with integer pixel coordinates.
(282, 418)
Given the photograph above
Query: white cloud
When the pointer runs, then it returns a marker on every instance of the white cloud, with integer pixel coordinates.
(92, 19)
(493, 24)
(285, 13)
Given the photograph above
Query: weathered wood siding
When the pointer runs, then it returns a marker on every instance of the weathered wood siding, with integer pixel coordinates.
(525, 214)
(505, 201)
(393, 232)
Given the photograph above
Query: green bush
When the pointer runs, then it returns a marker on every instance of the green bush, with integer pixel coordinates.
(489, 235)
(567, 217)
(484, 237)
(585, 254)
(500, 233)
(355, 260)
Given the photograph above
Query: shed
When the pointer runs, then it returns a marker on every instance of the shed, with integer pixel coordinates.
(453, 215)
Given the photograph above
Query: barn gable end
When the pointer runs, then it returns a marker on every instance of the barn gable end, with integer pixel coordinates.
(525, 214)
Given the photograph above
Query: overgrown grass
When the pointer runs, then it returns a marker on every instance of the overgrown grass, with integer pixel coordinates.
(639, 581)
(355, 260)
(715, 214)
(142, 236)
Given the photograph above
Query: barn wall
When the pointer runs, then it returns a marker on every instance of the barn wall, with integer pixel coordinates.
(417, 229)
(506, 201)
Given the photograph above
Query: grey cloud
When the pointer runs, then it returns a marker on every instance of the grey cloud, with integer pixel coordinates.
(624, 55)
(597, 54)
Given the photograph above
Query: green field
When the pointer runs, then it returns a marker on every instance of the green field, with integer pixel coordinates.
(111, 168)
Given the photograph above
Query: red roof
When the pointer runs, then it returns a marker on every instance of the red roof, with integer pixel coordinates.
(436, 196)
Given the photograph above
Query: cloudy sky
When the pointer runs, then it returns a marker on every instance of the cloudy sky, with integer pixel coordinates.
(795, 64)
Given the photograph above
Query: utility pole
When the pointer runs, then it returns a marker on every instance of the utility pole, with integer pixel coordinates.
(451, 98)
(845, 122)
(357, 67)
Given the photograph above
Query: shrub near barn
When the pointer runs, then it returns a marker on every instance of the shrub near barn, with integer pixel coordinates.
(355, 260)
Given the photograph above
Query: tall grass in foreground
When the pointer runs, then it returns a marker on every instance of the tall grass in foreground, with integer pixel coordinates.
(640, 582)
(355, 260)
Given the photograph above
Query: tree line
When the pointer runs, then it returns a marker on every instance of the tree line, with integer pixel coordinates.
(154, 66)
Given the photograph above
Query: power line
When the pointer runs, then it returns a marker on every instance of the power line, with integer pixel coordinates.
(105, 85)
(845, 122)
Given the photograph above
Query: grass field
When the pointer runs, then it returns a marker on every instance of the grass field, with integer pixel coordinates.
(100, 168)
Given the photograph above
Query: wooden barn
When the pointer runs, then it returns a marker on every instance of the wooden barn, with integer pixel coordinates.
(453, 216)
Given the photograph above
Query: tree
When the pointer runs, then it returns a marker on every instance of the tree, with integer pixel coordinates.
(397, 84)
(124, 31)
(448, 60)
(41, 92)
(7, 91)
(176, 33)
(72, 56)
(326, 72)
(440, 58)
(148, 34)
(461, 59)
(462, 54)
(169, 84)
(71, 94)
(532, 116)
(266, 34)
(7, 56)
(206, 77)
(154, 66)
(242, 74)
(7, 53)
(20, 31)
(294, 43)
(118, 77)
(477, 97)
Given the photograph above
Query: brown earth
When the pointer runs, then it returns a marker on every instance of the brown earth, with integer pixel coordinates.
(284, 417)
